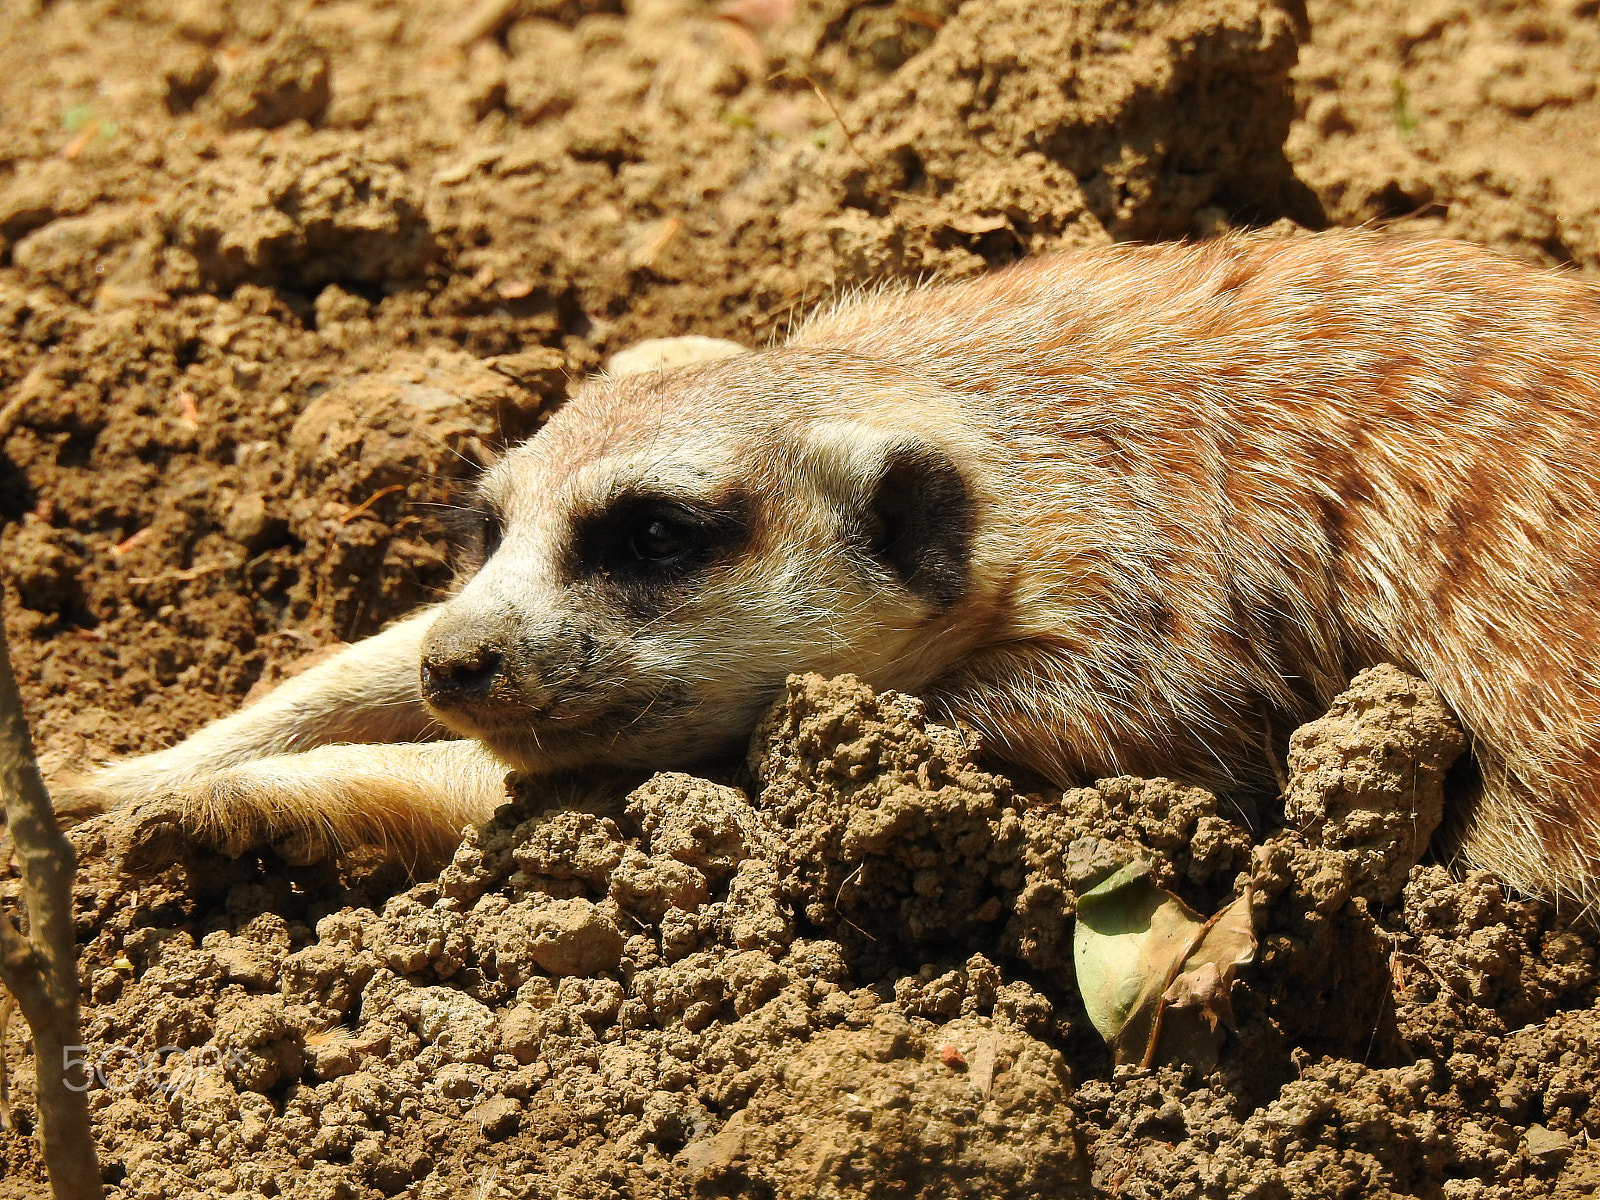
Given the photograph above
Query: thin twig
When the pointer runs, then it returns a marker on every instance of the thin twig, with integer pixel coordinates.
(355, 512)
(7, 1007)
(41, 970)
(832, 108)
(1269, 743)
(484, 19)
(184, 576)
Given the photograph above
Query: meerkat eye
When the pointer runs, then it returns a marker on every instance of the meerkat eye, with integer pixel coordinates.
(475, 534)
(652, 537)
(663, 542)
(491, 531)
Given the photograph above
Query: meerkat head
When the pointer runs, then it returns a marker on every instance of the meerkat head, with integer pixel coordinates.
(672, 546)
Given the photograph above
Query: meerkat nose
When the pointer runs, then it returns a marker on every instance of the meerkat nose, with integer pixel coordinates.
(455, 675)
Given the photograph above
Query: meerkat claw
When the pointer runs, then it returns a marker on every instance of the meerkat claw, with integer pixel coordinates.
(148, 839)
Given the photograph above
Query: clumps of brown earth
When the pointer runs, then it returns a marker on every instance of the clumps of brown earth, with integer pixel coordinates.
(1454, 117)
(854, 977)
(241, 521)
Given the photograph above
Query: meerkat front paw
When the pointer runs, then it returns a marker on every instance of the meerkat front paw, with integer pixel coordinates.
(148, 837)
(231, 813)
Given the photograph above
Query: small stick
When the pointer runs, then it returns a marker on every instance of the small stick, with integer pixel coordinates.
(41, 969)
(7, 1007)
(828, 100)
(132, 540)
(484, 19)
(355, 512)
(183, 576)
(11, 413)
(1279, 775)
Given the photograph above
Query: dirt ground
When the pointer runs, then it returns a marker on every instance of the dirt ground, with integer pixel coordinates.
(276, 279)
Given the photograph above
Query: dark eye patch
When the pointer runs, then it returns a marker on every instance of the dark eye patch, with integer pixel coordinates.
(918, 523)
(647, 541)
(474, 531)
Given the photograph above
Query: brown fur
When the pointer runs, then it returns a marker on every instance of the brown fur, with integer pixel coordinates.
(1208, 484)
(1258, 466)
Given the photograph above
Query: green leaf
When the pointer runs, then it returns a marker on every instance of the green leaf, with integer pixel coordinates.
(1140, 952)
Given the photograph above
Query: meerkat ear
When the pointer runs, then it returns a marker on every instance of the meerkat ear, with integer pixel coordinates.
(918, 521)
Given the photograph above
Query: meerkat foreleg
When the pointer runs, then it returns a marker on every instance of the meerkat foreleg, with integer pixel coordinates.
(409, 799)
(314, 766)
(366, 693)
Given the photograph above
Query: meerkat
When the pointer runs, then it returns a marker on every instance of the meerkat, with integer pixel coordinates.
(1119, 510)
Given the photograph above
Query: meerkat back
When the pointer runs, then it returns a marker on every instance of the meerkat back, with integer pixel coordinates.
(1241, 471)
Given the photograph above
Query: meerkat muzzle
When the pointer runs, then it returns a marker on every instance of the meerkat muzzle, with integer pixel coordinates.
(449, 680)
(500, 671)
(466, 668)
